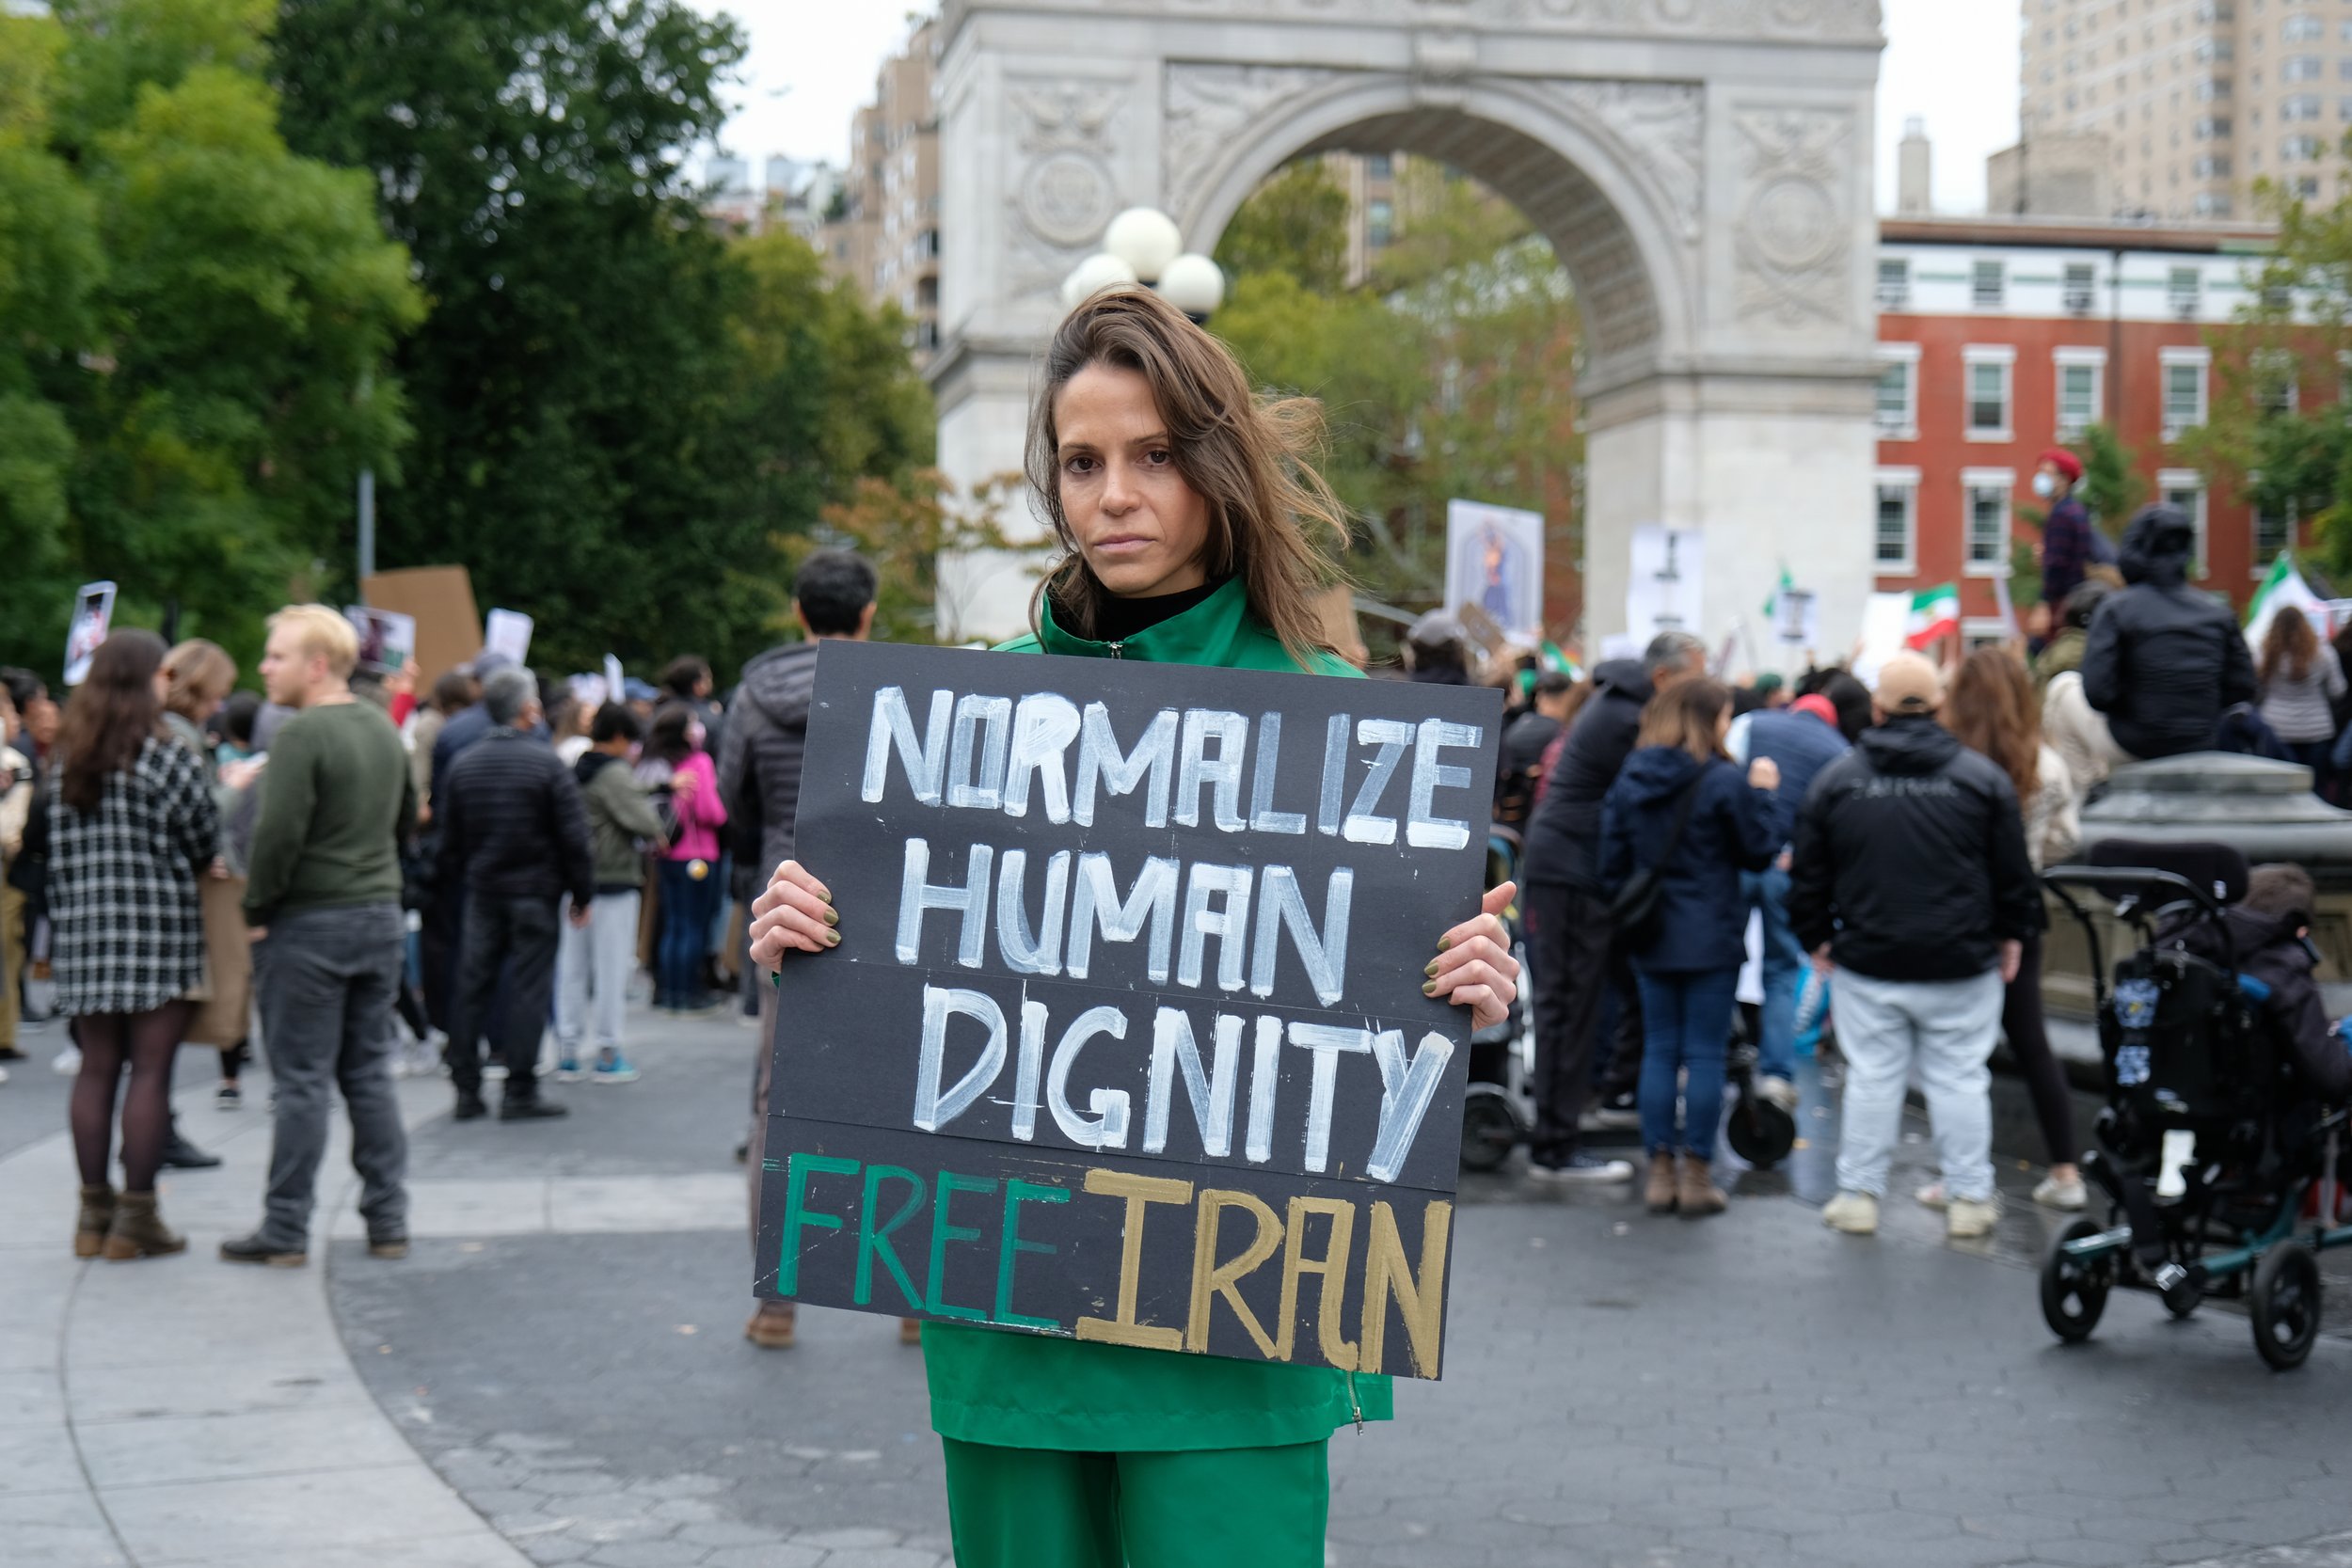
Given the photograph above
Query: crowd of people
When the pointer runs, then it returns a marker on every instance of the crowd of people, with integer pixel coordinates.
(364, 885)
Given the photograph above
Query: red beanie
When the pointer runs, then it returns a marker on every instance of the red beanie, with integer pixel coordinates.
(1817, 706)
(2064, 462)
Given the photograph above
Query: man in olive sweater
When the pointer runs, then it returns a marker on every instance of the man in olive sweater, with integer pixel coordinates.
(323, 901)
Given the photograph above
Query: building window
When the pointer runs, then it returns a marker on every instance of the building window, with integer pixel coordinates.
(1376, 166)
(2183, 389)
(2303, 29)
(1894, 283)
(1379, 223)
(2275, 383)
(2306, 187)
(2212, 88)
(2080, 375)
(1988, 389)
(2184, 489)
(2302, 68)
(2079, 287)
(1989, 284)
(1894, 548)
(2274, 534)
(2300, 149)
(1899, 392)
(2216, 166)
(2212, 128)
(2211, 204)
(2183, 291)
(2303, 105)
(1985, 496)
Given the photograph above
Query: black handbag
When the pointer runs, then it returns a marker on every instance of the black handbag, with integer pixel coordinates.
(1636, 909)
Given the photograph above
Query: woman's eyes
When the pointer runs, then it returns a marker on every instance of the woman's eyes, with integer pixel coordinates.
(1158, 458)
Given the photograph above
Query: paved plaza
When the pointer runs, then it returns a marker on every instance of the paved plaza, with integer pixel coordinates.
(557, 1375)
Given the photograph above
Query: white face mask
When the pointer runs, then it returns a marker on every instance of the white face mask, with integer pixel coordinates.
(2044, 486)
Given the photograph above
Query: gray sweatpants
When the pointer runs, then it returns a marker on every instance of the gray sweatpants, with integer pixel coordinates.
(327, 978)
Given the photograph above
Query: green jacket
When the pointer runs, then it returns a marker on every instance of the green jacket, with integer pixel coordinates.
(1026, 1391)
(2062, 653)
(620, 818)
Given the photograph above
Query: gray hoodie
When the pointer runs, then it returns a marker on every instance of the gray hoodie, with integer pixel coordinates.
(759, 758)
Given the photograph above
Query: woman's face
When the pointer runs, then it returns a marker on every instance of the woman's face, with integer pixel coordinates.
(1141, 528)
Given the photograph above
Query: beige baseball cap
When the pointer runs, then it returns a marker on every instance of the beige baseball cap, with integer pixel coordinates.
(1909, 684)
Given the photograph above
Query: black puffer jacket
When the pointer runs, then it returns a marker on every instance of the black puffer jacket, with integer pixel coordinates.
(2162, 660)
(513, 824)
(1911, 859)
(1563, 839)
(759, 760)
(2271, 948)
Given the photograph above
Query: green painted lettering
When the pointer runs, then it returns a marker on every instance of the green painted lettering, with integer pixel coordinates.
(873, 1241)
(1018, 1192)
(796, 1215)
(943, 1188)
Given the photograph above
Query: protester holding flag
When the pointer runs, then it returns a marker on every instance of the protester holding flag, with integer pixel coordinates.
(1193, 532)
(2164, 661)
(2300, 678)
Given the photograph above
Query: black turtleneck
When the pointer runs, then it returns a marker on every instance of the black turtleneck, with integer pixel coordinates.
(1116, 619)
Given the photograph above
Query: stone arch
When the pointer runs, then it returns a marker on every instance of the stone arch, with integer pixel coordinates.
(1607, 172)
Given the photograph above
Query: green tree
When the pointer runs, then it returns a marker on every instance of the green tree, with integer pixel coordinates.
(1295, 223)
(905, 528)
(210, 308)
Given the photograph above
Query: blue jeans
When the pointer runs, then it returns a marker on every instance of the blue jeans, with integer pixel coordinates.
(686, 913)
(1686, 1023)
(1767, 892)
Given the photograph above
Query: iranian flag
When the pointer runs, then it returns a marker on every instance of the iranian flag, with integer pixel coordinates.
(1934, 612)
(2283, 592)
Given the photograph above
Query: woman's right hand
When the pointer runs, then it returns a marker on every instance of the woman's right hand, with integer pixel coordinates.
(794, 915)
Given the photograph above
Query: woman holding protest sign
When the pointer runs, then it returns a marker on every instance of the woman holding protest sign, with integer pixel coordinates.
(1193, 530)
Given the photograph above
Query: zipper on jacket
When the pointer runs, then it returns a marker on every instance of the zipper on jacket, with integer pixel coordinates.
(1355, 1405)
(1117, 649)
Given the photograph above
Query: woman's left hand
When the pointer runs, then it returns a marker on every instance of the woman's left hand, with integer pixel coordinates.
(1474, 968)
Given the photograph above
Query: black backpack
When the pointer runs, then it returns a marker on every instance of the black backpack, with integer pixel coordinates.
(1640, 903)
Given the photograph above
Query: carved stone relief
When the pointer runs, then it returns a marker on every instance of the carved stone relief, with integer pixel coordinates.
(1660, 126)
(1063, 193)
(1205, 107)
(1793, 230)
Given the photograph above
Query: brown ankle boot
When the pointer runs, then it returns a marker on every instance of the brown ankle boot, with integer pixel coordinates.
(96, 1218)
(1696, 1194)
(1659, 1193)
(140, 1231)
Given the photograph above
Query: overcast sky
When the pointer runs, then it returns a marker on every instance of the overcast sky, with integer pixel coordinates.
(1952, 62)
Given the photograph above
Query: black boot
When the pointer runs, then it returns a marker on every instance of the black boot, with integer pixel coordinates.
(180, 1154)
(531, 1107)
(469, 1106)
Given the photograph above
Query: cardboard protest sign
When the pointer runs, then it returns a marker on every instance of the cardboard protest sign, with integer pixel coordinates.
(1494, 561)
(1125, 1038)
(94, 613)
(507, 632)
(438, 602)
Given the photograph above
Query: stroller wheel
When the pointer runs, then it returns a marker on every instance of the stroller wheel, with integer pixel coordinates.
(2285, 1304)
(2073, 1291)
(1759, 1131)
(1489, 1130)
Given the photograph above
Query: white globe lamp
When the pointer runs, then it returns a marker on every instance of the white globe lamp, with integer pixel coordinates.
(1090, 277)
(1193, 284)
(1146, 239)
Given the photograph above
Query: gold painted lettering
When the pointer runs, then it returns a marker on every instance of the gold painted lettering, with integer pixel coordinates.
(1138, 1191)
(1211, 1278)
(1421, 1299)
(1332, 1266)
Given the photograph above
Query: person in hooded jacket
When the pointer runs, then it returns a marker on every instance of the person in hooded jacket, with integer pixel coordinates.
(593, 961)
(2266, 937)
(1910, 875)
(1568, 929)
(1689, 969)
(1193, 530)
(760, 782)
(2164, 661)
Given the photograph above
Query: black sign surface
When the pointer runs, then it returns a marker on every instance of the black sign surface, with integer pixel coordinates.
(1125, 1038)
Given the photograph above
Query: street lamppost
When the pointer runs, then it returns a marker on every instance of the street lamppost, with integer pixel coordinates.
(1143, 246)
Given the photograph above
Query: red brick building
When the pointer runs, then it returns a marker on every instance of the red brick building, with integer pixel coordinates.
(1999, 339)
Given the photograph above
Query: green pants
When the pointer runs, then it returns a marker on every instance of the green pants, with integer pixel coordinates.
(1042, 1507)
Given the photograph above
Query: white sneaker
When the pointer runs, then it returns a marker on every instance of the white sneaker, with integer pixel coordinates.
(1966, 1218)
(68, 1061)
(1856, 1213)
(2071, 1197)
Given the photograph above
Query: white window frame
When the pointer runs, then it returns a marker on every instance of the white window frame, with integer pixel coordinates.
(2005, 356)
(1971, 481)
(2072, 357)
(2202, 359)
(1907, 481)
(1907, 355)
(1981, 631)
(2170, 481)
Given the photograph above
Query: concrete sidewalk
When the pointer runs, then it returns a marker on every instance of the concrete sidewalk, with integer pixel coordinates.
(183, 1411)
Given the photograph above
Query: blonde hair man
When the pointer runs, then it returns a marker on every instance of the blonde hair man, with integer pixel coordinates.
(323, 901)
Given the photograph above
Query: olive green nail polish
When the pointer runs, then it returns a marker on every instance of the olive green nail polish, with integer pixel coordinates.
(1432, 970)
(1429, 989)
(832, 919)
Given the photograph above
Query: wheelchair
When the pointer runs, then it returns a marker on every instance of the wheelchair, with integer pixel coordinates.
(2206, 1157)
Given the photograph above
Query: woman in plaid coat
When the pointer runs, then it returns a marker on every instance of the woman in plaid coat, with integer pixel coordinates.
(131, 829)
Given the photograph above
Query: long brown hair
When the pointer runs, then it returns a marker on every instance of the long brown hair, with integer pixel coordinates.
(1273, 519)
(198, 675)
(1991, 709)
(1687, 714)
(110, 716)
(2291, 643)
